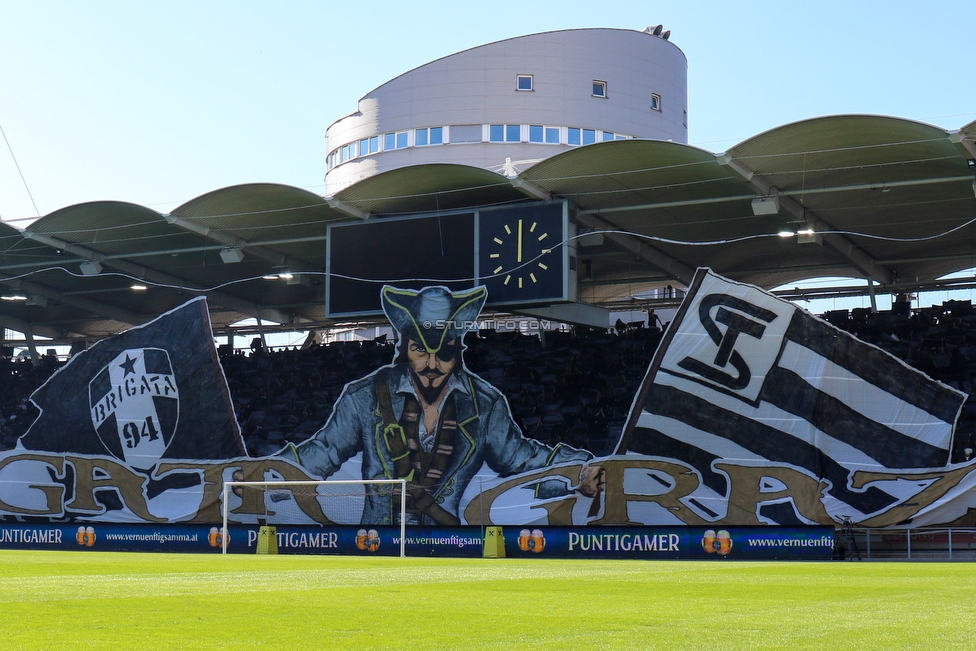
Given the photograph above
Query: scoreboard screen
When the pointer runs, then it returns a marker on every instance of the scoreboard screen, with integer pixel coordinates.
(522, 253)
(410, 253)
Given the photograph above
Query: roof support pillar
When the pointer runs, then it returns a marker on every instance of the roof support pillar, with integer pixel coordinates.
(31, 345)
(874, 302)
(264, 340)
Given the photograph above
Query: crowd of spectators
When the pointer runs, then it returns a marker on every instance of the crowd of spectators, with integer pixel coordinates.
(18, 379)
(573, 387)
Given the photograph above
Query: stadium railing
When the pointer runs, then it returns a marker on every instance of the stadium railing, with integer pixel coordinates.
(954, 544)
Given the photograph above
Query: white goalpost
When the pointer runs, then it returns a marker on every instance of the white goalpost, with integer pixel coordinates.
(342, 501)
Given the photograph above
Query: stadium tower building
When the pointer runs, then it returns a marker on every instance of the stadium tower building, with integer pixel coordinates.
(507, 105)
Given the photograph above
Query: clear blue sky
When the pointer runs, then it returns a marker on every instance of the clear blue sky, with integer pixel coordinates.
(159, 102)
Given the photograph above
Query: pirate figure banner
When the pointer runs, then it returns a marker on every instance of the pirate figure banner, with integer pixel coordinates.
(427, 419)
(753, 412)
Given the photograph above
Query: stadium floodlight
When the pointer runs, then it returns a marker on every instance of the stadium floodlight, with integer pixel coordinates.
(91, 267)
(342, 499)
(765, 205)
(807, 235)
(231, 254)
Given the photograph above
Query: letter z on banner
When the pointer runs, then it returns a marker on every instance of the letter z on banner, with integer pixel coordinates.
(744, 377)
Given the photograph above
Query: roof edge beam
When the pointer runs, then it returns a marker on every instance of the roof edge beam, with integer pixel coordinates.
(96, 307)
(963, 143)
(675, 269)
(238, 305)
(230, 241)
(861, 260)
(21, 326)
(347, 208)
(530, 189)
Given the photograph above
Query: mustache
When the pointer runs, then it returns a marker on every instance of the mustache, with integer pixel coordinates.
(431, 373)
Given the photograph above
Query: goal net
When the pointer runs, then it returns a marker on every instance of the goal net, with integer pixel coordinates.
(339, 502)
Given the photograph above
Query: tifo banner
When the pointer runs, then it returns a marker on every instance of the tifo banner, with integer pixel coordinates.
(155, 392)
(115, 421)
(828, 426)
(752, 413)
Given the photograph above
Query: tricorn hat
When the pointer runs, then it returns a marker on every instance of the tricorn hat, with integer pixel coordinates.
(433, 316)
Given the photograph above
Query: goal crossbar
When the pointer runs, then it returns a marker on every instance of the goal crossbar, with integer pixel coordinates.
(402, 483)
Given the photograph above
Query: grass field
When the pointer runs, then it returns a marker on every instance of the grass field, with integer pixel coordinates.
(74, 600)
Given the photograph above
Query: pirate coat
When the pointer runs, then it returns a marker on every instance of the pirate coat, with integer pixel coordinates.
(475, 427)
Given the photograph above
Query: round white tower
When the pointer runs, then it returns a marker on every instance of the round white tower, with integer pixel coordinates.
(507, 105)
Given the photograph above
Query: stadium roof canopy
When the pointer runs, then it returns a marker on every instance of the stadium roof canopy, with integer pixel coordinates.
(887, 199)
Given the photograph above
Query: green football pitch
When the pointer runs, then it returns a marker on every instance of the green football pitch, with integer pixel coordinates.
(76, 600)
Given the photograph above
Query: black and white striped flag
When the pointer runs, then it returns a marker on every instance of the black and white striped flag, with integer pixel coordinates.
(742, 376)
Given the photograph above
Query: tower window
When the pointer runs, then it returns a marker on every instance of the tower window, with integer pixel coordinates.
(599, 88)
(394, 140)
(504, 133)
(541, 133)
(523, 82)
(369, 145)
(655, 102)
(431, 136)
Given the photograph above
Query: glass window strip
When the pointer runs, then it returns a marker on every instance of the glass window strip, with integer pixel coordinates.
(427, 136)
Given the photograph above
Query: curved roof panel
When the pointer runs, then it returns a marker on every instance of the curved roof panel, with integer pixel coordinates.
(430, 188)
(258, 211)
(633, 172)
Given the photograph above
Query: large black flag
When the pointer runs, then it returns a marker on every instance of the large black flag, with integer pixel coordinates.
(745, 377)
(154, 392)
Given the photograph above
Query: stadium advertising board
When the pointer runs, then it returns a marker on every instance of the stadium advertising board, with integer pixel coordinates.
(687, 543)
(752, 413)
(642, 543)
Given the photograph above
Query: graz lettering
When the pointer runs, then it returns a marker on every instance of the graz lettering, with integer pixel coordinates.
(746, 493)
(67, 485)
(56, 498)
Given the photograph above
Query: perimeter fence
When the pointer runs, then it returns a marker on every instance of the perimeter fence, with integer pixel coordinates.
(949, 544)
